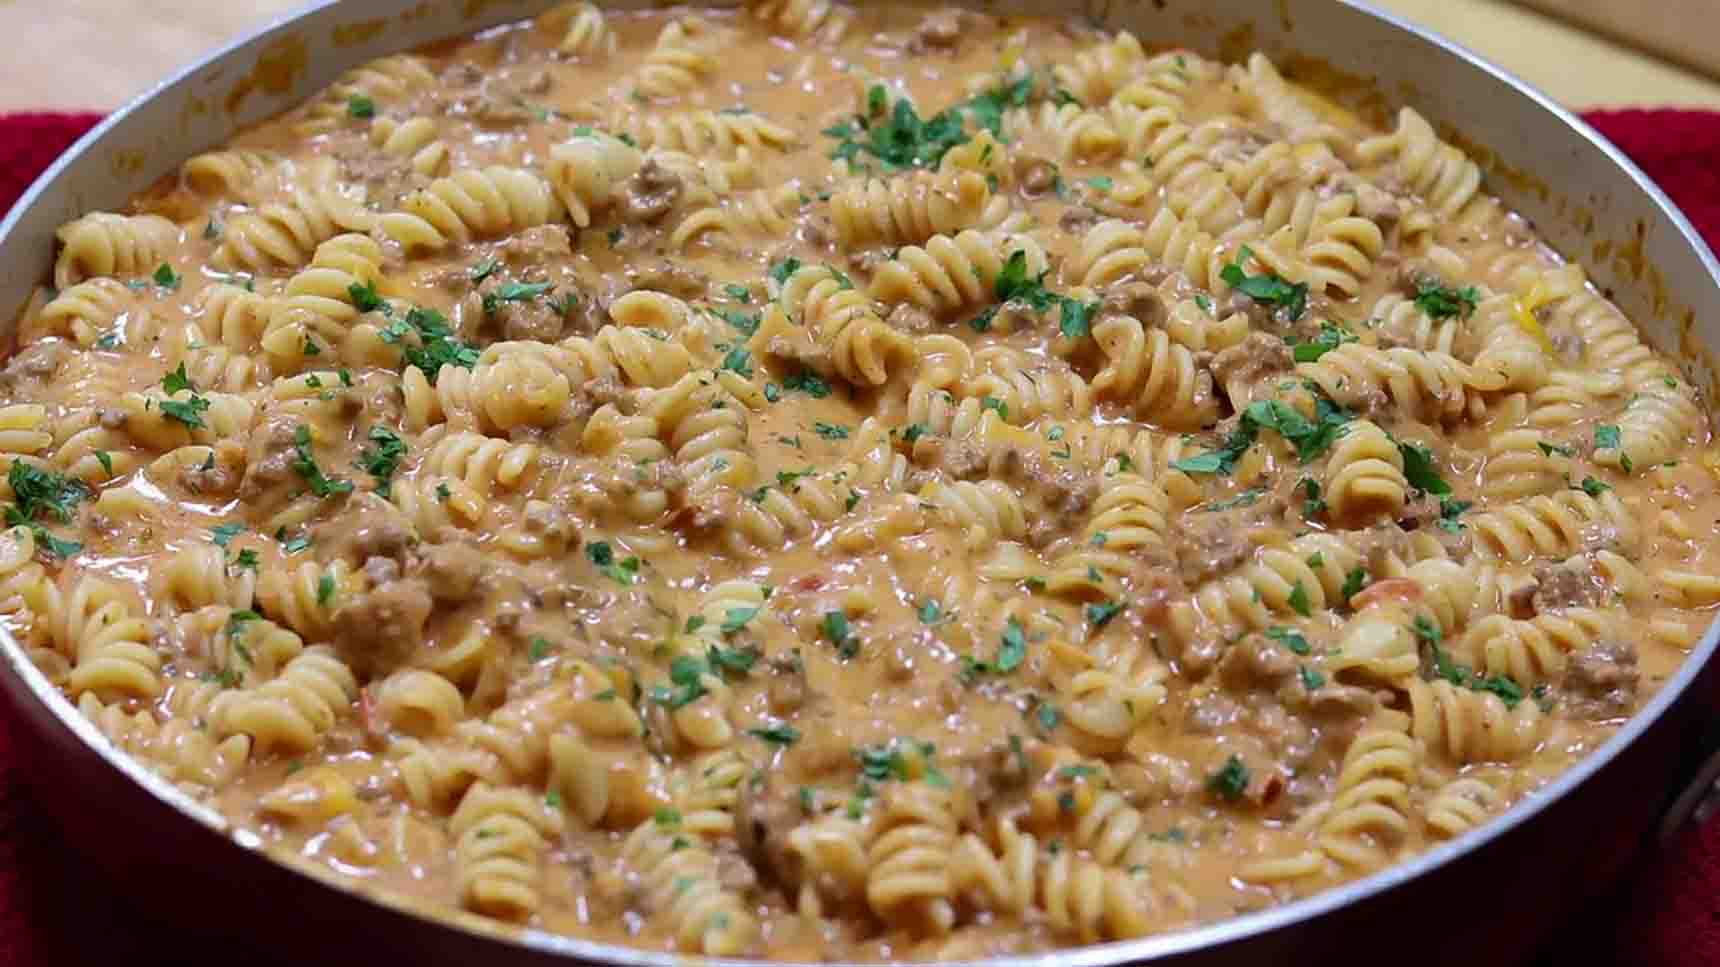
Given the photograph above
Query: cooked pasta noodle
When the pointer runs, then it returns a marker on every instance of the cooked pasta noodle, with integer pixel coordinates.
(836, 482)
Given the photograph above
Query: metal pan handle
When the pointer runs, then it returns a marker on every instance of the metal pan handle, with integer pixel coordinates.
(1700, 797)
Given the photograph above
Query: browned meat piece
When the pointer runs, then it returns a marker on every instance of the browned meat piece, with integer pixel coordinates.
(367, 527)
(536, 245)
(379, 629)
(384, 177)
(1520, 601)
(650, 193)
(271, 456)
(709, 516)
(1569, 584)
(534, 321)
(787, 692)
(534, 81)
(381, 570)
(1600, 681)
(960, 459)
(940, 30)
(1069, 491)
(1379, 544)
(1256, 663)
(911, 318)
(462, 74)
(1416, 273)
(498, 102)
(554, 525)
(767, 810)
(1567, 342)
(867, 260)
(1138, 300)
(1242, 369)
(816, 232)
(37, 360)
(1211, 543)
(218, 476)
(668, 275)
(1078, 220)
(453, 572)
(1347, 701)
(1000, 768)
(800, 348)
(1038, 176)
(1377, 206)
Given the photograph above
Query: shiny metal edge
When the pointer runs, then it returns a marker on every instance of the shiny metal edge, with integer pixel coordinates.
(1101, 955)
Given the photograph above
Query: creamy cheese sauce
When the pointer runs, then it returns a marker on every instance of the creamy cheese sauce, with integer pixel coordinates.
(816, 483)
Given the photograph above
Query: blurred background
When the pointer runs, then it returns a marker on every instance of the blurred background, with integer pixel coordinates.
(97, 54)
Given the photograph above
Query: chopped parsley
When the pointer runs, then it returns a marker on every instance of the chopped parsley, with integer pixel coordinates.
(165, 277)
(1548, 449)
(830, 431)
(1329, 338)
(188, 411)
(1419, 469)
(41, 492)
(739, 293)
(1313, 505)
(1449, 511)
(734, 619)
(807, 382)
(780, 272)
(837, 631)
(1440, 302)
(177, 380)
(1310, 437)
(360, 106)
(1011, 652)
(306, 466)
(437, 345)
(484, 270)
(384, 458)
(222, 534)
(364, 296)
(603, 556)
(1311, 678)
(931, 611)
(1230, 781)
(1048, 716)
(1354, 582)
(1593, 487)
(1299, 600)
(538, 648)
(1289, 638)
(1100, 614)
(514, 292)
(738, 360)
(1266, 289)
(778, 733)
(325, 590)
(902, 140)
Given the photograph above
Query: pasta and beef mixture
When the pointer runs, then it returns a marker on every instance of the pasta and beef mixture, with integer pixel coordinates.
(807, 482)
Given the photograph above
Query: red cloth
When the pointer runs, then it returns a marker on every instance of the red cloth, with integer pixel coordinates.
(47, 910)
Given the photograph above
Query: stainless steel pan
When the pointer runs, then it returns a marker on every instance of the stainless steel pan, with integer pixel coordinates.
(1484, 897)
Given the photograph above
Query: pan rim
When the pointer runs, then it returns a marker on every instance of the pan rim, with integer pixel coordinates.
(1214, 935)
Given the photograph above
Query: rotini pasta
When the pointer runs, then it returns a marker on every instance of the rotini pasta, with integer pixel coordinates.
(843, 482)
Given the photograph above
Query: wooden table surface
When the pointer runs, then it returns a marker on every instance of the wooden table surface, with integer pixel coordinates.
(96, 54)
